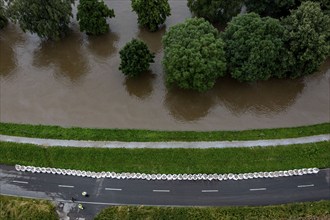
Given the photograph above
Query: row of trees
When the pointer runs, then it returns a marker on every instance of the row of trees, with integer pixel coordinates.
(251, 48)
(49, 19)
(224, 10)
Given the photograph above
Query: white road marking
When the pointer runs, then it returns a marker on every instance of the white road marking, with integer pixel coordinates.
(209, 190)
(16, 181)
(65, 186)
(161, 190)
(302, 186)
(258, 189)
(113, 189)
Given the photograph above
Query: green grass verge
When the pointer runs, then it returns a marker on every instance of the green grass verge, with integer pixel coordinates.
(169, 160)
(306, 210)
(56, 132)
(14, 208)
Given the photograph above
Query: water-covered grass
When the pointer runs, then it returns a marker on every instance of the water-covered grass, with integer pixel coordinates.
(56, 132)
(14, 208)
(226, 160)
(307, 210)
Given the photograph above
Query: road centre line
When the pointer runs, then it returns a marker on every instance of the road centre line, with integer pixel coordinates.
(16, 181)
(113, 189)
(65, 186)
(303, 186)
(161, 190)
(209, 190)
(258, 189)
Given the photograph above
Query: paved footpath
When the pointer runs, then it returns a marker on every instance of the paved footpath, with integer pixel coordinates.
(172, 144)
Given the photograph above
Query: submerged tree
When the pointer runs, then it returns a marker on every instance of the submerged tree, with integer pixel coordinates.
(254, 47)
(135, 58)
(92, 15)
(151, 13)
(215, 10)
(3, 17)
(307, 38)
(48, 18)
(194, 55)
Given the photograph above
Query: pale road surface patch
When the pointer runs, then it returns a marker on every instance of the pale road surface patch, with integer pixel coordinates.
(171, 144)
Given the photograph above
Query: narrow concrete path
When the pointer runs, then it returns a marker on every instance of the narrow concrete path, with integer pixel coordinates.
(202, 144)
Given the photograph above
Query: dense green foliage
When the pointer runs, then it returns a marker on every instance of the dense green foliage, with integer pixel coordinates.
(14, 208)
(273, 8)
(135, 58)
(280, 8)
(56, 132)
(306, 210)
(254, 47)
(215, 10)
(48, 18)
(194, 55)
(171, 160)
(151, 13)
(307, 38)
(92, 15)
(3, 17)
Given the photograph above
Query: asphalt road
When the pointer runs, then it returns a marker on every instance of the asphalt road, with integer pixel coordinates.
(105, 192)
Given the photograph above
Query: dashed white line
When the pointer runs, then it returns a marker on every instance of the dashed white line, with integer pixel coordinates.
(161, 190)
(16, 181)
(65, 186)
(258, 189)
(303, 186)
(209, 190)
(113, 189)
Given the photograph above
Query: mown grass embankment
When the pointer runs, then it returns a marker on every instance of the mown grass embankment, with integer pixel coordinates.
(306, 210)
(56, 132)
(228, 160)
(14, 208)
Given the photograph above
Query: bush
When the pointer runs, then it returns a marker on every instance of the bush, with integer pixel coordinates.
(135, 58)
(253, 47)
(92, 16)
(215, 10)
(194, 56)
(151, 13)
(307, 37)
(48, 18)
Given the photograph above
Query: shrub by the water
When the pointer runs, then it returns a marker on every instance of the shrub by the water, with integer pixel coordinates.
(135, 58)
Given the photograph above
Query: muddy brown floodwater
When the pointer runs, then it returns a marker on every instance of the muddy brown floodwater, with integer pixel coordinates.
(76, 82)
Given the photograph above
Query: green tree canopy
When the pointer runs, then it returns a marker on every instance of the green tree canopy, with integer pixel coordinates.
(135, 58)
(280, 8)
(253, 47)
(194, 56)
(92, 15)
(273, 8)
(307, 38)
(215, 10)
(47, 18)
(151, 13)
(3, 17)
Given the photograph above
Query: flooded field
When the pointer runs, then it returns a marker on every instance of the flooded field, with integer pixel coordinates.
(76, 82)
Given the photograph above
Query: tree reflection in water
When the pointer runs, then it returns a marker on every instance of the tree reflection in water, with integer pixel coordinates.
(66, 55)
(140, 86)
(103, 46)
(259, 98)
(187, 105)
(10, 37)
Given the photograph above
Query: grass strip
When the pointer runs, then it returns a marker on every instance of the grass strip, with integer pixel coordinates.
(56, 132)
(306, 210)
(227, 160)
(14, 208)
